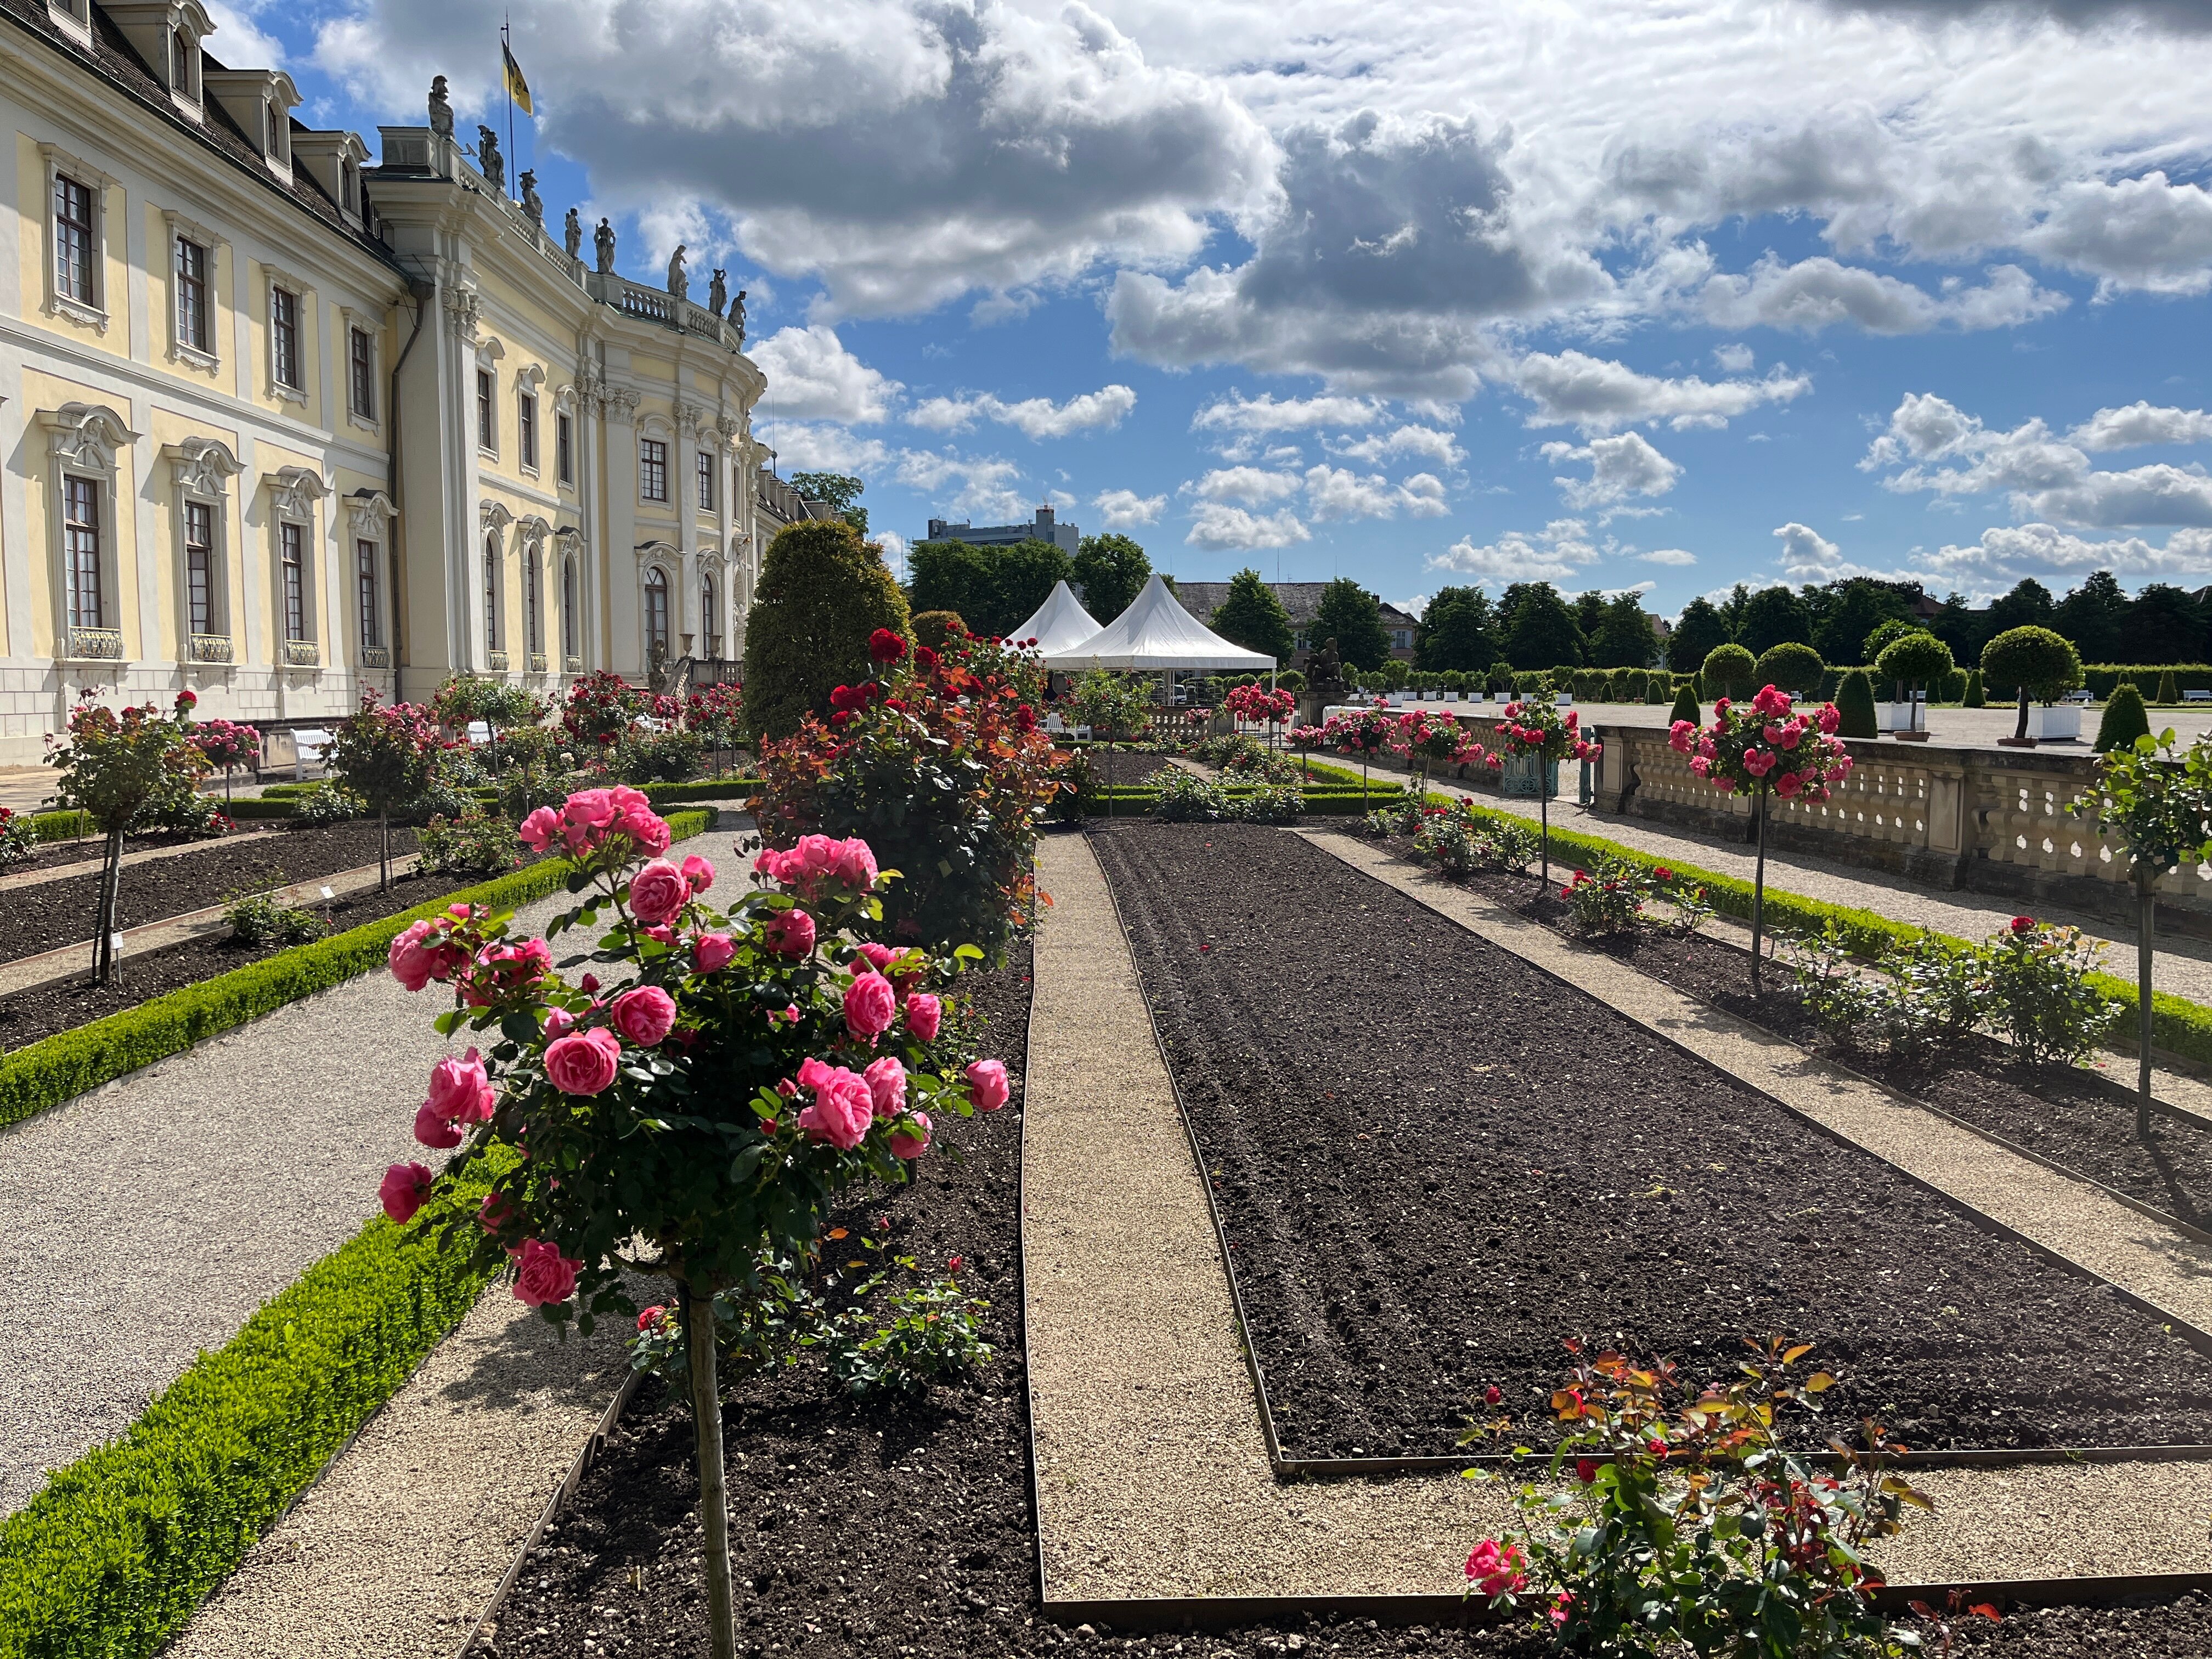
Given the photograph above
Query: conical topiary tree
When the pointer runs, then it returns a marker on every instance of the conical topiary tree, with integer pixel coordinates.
(1657, 692)
(822, 592)
(1686, 705)
(1728, 671)
(2125, 721)
(1973, 698)
(1855, 704)
(2043, 664)
(2169, 691)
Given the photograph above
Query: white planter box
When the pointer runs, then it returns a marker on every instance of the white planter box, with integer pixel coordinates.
(1564, 700)
(2054, 724)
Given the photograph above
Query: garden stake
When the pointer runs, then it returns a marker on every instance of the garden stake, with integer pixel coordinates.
(713, 1505)
(2146, 924)
(1759, 888)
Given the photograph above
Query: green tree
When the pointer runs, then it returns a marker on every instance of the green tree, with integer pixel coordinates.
(1855, 703)
(1589, 611)
(2125, 720)
(1960, 627)
(950, 576)
(1624, 638)
(2095, 616)
(932, 627)
(1773, 616)
(838, 491)
(387, 757)
(1111, 570)
(1696, 631)
(1791, 666)
(1853, 612)
(1733, 608)
(1973, 698)
(1022, 578)
(1884, 636)
(1459, 630)
(1685, 706)
(2169, 689)
(1728, 672)
(2028, 605)
(1915, 659)
(1353, 617)
(1252, 616)
(2163, 626)
(1541, 632)
(2041, 663)
(822, 592)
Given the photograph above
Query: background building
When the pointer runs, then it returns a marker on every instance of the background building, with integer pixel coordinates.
(1301, 600)
(1044, 528)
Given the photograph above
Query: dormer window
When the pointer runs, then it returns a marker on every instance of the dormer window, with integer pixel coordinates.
(169, 34)
(74, 17)
(260, 101)
(185, 68)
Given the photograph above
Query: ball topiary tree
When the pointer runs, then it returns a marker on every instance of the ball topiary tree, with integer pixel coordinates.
(1917, 658)
(1791, 664)
(932, 627)
(2124, 722)
(1854, 705)
(823, 593)
(1728, 671)
(2044, 665)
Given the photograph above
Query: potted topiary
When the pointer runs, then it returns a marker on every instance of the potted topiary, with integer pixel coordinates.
(1728, 672)
(1917, 659)
(2045, 667)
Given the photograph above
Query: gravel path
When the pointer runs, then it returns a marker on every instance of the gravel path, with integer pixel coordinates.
(393, 1553)
(152, 1216)
(1151, 1473)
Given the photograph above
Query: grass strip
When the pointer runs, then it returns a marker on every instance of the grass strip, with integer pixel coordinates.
(64, 1066)
(2179, 1026)
(110, 1561)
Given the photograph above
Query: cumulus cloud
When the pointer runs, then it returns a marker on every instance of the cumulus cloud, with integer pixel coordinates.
(1733, 359)
(2005, 554)
(1672, 555)
(1822, 292)
(1598, 395)
(1940, 449)
(1267, 413)
(811, 376)
(1552, 554)
(1217, 527)
(1427, 442)
(978, 487)
(1124, 509)
(1244, 483)
(1334, 492)
(1807, 556)
(1033, 417)
(2141, 423)
(1620, 468)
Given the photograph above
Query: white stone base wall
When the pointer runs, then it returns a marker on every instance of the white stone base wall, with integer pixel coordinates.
(35, 697)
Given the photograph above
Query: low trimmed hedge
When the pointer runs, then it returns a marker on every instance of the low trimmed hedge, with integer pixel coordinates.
(263, 807)
(61, 826)
(65, 1065)
(2179, 1026)
(111, 1559)
(698, 789)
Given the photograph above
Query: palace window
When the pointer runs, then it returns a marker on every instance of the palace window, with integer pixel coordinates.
(487, 426)
(567, 607)
(372, 625)
(192, 321)
(284, 337)
(656, 613)
(652, 472)
(709, 619)
(291, 542)
(564, 446)
(706, 481)
(491, 592)
(525, 430)
(361, 356)
(199, 567)
(76, 266)
(81, 550)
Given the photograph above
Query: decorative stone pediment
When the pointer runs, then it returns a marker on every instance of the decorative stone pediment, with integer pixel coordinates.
(294, 491)
(493, 515)
(370, 514)
(202, 466)
(87, 435)
(531, 532)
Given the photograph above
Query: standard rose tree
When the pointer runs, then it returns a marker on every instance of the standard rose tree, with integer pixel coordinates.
(691, 1104)
(1540, 730)
(1428, 737)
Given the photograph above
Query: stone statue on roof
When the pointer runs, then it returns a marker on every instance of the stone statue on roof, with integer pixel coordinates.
(442, 108)
(679, 284)
(738, 315)
(489, 162)
(603, 243)
(572, 234)
(532, 203)
(717, 292)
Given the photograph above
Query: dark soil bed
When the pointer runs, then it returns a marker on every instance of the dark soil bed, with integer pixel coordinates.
(1436, 1162)
(50, 915)
(2081, 1119)
(64, 1004)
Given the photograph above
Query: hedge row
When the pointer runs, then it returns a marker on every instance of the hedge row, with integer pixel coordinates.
(110, 1561)
(2179, 1026)
(65, 1065)
(2104, 678)
(61, 826)
(660, 794)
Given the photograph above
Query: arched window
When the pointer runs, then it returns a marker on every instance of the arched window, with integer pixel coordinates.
(532, 612)
(568, 607)
(491, 591)
(656, 612)
(710, 621)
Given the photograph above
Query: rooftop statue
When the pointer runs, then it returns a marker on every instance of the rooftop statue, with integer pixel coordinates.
(572, 234)
(532, 203)
(492, 164)
(679, 285)
(442, 108)
(603, 243)
(717, 292)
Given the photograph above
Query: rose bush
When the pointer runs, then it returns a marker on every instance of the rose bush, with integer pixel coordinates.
(1539, 730)
(693, 1112)
(1427, 739)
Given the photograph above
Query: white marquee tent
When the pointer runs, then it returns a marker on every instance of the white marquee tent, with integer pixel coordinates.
(1060, 621)
(1156, 634)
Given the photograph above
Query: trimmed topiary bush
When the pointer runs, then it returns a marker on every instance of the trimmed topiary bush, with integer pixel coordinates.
(2125, 721)
(1656, 691)
(1730, 672)
(822, 592)
(930, 626)
(2169, 691)
(2043, 664)
(1917, 659)
(1790, 666)
(1855, 703)
(1972, 699)
(1685, 707)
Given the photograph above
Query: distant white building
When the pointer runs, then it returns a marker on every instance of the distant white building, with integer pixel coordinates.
(1044, 528)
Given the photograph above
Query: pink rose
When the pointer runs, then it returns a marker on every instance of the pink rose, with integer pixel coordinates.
(879, 956)
(699, 873)
(1829, 717)
(403, 1189)
(658, 893)
(1772, 733)
(1681, 736)
(665, 933)
(583, 1062)
(906, 1144)
(923, 1012)
(714, 951)
(870, 1004)
(1702, 767)
(789, 932)
(1708, 747)
(1841, 767)
(645, 1015)
(1495, 1569)
(559, 1022)
(543, 1274)
(854, 864)
(1758, 761)
(435, 1130)
(887, 1086)
(409, 962)
(648, 829)
(987, 1085)
(1771, 702)
(538, 830)
(1792, 734)
(1787, 785)
(494, 1212)
(591, 809)
(843, 1106)
(460, 1089)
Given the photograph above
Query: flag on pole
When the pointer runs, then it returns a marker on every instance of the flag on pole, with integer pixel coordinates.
(517, 88)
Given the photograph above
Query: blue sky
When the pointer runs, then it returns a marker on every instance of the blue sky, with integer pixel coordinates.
(1649, 294)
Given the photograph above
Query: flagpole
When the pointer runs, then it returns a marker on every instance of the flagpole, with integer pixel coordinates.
(506, 56)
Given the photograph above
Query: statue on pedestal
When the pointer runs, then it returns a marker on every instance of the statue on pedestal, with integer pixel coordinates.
(738, 315)
(717, 292)
(489, 162)
(442, 108)
(572, 234)
(603, 243)
(532, 203)
(679, 285)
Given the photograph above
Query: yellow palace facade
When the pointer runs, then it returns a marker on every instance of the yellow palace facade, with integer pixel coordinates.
(280, 422)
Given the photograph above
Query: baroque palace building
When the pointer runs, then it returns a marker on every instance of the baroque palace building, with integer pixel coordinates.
(282, 425)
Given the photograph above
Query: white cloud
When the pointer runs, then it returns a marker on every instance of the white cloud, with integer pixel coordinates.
(1422, 495)
(977, 487)
(1334, 492)
(2141, 423)
(1266, 413)
(896, 548)
(1619, 467)
(1822, 292)
(1673, 555)
(1946, 451)
(1124, 509)
(1220, 528)
(1598, 395)
(1428, 442)
(811, 376)
(1807, 556)
(2005, 554)
(2142, 233)
(1733, 359)
(1552, 554)
(239, 38)
(1244, 483)
(1033, 417)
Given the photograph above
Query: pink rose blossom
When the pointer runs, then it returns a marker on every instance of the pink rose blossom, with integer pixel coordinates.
(1771, 702)
(887, 1086)
(1829, 718)
(645, 1015)
(583, 1062)
(540, 829)
(543, 1274)
(1681, 736)
(906, 1144)
(460, 1089)
(1772, 733)
(658, 893)
(843, 1106)
(438, 1132)
(714, 951)
(790, 932)
(699, 873)
(403, 1189)
(1758, 761)
(494, 1212)
(664, 935)
(1701, 766)
(855, 864)
(923, 1012)
(987, 1089)
(648, 829)
(1495, 1569)
(879, 956)
(1708, 747)
(409, 962)
(1787, 785)
(870, 1004)
(1792, 734)
(559, 1022)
